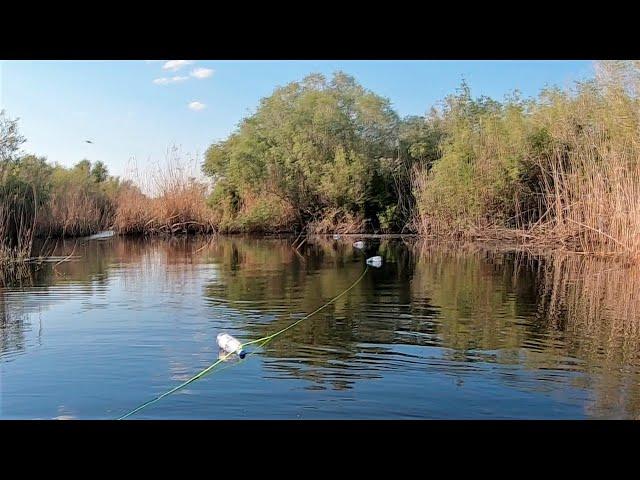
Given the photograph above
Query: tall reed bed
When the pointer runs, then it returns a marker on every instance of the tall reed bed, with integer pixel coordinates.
(19, 208)
(79, 202)
(169, 198)
(563, 168)
(41, 200)
(590, 172)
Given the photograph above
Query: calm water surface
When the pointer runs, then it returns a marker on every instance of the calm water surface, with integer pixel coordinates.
(439, 331)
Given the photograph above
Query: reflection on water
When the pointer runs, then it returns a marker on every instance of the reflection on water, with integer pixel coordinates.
(439, 331)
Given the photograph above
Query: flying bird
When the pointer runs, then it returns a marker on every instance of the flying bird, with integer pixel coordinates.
(88, 141)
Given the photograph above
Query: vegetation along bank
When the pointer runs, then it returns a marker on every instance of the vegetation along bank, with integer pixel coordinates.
(329, 156)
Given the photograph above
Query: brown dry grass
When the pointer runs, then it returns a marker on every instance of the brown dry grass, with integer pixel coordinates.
(591, 180)
(74, 213)
(177, 202)
(577, 158)
(17, 229)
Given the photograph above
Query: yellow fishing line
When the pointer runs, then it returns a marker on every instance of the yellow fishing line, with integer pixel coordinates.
(264, 341)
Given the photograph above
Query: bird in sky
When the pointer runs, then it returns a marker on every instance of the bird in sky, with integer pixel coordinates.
(88, 141)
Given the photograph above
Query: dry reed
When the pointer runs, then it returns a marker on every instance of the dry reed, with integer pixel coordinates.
(175, 201)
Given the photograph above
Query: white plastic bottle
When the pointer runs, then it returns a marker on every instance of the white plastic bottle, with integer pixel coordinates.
(230, 345)
(375, 261)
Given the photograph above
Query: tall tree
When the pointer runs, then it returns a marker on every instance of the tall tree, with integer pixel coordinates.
(10, 142)
(99, 172)
(314, 144)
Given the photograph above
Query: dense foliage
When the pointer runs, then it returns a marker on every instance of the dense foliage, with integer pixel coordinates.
(312, 148)
(563, 167)
(40, 199)
(332, 156)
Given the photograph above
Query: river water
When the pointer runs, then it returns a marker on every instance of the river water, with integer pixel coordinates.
(461, 331)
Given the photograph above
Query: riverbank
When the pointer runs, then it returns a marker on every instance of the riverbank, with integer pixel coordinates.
(327, 156)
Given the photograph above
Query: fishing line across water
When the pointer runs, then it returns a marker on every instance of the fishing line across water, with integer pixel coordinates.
(261, 341)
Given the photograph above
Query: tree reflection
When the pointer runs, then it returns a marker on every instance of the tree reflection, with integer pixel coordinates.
(562, 320)
(478, 302)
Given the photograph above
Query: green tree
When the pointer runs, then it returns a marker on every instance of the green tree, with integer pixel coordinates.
(99, 172)
(10, 142)
(83, 167)
(420, 138)
(313, 145)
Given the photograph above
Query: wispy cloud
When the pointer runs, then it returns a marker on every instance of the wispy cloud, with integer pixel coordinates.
(196, 106)
(169, 80)
(202, 72)
(174, 65)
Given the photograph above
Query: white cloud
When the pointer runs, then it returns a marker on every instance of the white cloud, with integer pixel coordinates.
(174, 65)
(167, 81)
(197, 106)
(202, 72)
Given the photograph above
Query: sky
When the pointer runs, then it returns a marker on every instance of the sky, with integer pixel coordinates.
(134, 111)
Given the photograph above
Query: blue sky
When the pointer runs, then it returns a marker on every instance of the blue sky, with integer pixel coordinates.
(128, 116)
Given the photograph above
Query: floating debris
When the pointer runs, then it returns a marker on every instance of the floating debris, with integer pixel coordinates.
(230, 345)
(101, 235)
(375, 261)
(359, 244)
(336, 237)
